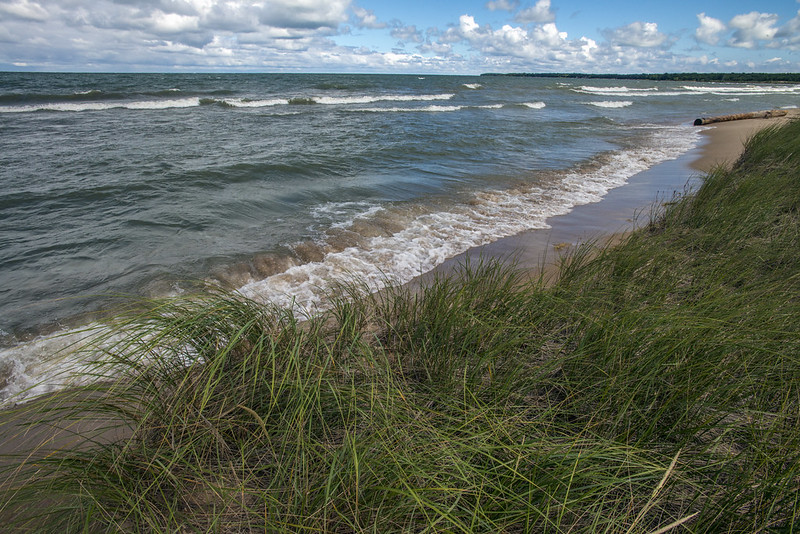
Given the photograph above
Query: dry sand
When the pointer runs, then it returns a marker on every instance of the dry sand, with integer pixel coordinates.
(726, 140)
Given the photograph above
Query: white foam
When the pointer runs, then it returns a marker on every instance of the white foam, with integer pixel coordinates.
(622, 89)
(429, 239)
(429, 109)
(163, 104)
(101, 106)
(343, 214)
(47, 364)
(248, 103)
(611, 104)
(234, 102)
(473, 85)
(628, 92)
(744, 90)
(369, 99)
(534, 105)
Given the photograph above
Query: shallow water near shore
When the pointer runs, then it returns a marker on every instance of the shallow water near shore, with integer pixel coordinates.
(279, 185)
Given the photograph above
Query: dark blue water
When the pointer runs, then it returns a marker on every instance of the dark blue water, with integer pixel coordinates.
(278, 184)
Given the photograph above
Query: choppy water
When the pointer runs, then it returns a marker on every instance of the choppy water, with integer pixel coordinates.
(278, 184)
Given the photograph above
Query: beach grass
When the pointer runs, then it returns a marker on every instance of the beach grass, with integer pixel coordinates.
(653, 387)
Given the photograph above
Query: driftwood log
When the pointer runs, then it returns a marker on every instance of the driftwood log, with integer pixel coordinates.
(768, 114)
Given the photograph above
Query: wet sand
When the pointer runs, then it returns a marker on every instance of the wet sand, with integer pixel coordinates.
(622, 208)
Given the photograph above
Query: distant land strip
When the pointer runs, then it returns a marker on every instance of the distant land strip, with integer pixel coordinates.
(747, 77)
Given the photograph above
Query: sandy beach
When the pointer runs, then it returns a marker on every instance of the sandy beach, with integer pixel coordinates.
(624, 206)
(725, 140)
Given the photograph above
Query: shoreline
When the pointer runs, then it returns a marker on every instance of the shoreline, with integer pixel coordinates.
(623, 207)
(619, 211)
(613, 214)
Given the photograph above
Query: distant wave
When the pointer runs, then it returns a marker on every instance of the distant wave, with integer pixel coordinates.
(473, 85)
(368, 99)
(330, 100)
(101, 106)
(622, 89)
(52, 98)
(744, 90)
(229, 102)
(611, 104)
(253, 103)
(534, 105)
(427, 109)
(627, 91)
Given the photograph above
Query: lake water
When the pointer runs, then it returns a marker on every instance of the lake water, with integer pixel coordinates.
(279, 185)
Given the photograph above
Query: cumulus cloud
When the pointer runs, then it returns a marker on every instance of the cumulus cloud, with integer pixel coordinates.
(753, 27)
(752, 31)
(789, 34)
(502, 5)
(366, 19)
(637, 34)
(709, 30)
(542, 47)
(538, 13)
(305, 14)
(153, 32)
(303, 34)
(406, 34)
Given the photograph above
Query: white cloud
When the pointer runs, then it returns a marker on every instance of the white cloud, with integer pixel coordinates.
(506, 5)
(302, 35)
(538, 13)
(367, 19)
(549, 35)
(24, 9)
(123, 33)
(637, 34)
(306, 14)
(172, 22)
(709, 30)
(752, 28)
(407, 34)
(789, 34)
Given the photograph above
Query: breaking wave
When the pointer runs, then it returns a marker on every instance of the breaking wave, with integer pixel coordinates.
(95, 105)
(611, 104)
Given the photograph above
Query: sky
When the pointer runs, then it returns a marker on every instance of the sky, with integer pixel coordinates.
(400, 36)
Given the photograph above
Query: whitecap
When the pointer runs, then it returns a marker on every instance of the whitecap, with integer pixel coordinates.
(611, 104)
(102, 106)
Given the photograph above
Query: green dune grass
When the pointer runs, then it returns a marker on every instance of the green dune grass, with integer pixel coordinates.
(653, 387)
